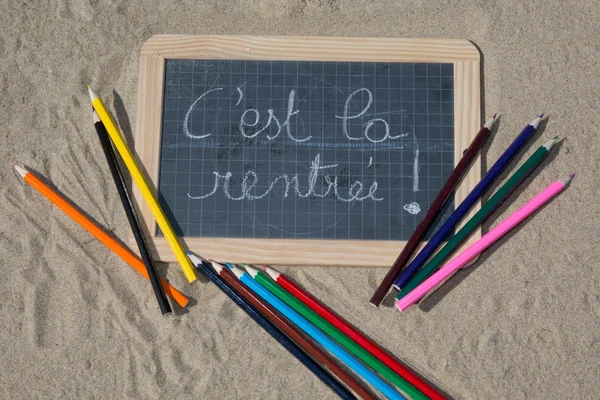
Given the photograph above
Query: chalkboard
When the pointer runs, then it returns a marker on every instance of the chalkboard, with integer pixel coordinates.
(302, 150)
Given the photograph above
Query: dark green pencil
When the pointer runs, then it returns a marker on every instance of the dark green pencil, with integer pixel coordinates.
(334, 333)
(488, 209)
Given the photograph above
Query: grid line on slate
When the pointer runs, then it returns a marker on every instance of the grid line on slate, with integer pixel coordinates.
(242, 167)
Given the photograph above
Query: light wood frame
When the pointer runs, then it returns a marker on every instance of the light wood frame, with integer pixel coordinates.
(157, 49)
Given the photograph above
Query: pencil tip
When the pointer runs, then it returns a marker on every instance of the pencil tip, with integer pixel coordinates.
(490, 122)
(536, 122)
(236, 271)
(22, 171)
(548, 145)
(216, 266)
(194, 258)
(93, 95)
(568, 179)
(251, 270)
(271, 272)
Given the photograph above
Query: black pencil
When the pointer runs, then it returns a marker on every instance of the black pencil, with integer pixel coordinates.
(117, 175)
(275, 332)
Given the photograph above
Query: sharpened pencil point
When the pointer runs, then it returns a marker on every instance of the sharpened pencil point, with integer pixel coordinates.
(271, 272)
(22, 171)
(251, 270)
(568, 178)
(93, 95)
(237, 271)
(536, 122)
(216, 266)
(194, 259)
(548, 145)
(490, 122)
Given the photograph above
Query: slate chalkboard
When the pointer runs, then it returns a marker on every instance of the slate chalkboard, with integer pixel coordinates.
(304, 150)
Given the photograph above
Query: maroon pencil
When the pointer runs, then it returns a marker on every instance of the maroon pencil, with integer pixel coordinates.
(291, 331)
(433, 212)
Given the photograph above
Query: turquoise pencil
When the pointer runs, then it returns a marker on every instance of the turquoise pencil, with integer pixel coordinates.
(316, 334)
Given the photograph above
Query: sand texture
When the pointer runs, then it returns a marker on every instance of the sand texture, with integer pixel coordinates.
(78, 323)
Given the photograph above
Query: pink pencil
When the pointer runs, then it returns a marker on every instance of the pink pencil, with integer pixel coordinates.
(479, 246)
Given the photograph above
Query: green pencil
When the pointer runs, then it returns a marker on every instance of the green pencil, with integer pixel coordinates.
(488, 209)
(335, 333)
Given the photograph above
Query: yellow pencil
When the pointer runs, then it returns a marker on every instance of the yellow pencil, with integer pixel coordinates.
(138, 178)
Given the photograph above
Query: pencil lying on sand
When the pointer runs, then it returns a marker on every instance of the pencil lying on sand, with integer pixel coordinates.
(486, 210)
(140, 181)
(286, 327)
(487, 240)
(274, 331)
(335, 334)
(352, 333)
(97, 232)
(434, 210)
(464, 207)
(317, 335)
(117, 176)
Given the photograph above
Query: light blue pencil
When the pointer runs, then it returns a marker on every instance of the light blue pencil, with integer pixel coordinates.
(313, 332)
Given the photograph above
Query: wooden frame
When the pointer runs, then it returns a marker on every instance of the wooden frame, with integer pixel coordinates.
(157, 49)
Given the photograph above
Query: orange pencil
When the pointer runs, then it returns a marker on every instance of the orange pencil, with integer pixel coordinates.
(134, 261)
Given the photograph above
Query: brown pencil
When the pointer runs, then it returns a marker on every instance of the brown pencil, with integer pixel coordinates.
(433, 212)
(290, 330)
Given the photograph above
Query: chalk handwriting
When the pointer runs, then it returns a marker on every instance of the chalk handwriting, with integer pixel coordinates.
(187, 116)
(251, 125)
(345, 117)
(241, 96)
(250, 180)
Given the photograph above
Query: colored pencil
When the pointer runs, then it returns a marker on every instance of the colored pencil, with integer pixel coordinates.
(94, 229)
(351, 332)
(286, 327)
(487, 240)
(464, 207)
(432, 213)
(117, 176)
(317, 335)
(335, 334)
(274, 331)
(145, 189)
(488, 209)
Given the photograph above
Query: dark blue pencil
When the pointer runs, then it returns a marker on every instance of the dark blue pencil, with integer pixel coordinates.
(467, 203)
(277, 334)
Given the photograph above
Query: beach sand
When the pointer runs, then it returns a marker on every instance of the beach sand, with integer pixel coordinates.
(78, 323)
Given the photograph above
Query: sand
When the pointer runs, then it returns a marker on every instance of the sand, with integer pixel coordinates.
(78, 323)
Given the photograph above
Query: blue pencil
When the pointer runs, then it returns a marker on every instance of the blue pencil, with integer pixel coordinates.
(467, 203)
(268, 326)
(316, 334)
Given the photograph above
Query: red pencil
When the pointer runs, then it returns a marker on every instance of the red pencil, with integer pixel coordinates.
(352, 333)
(433, 211)
(289, 329)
